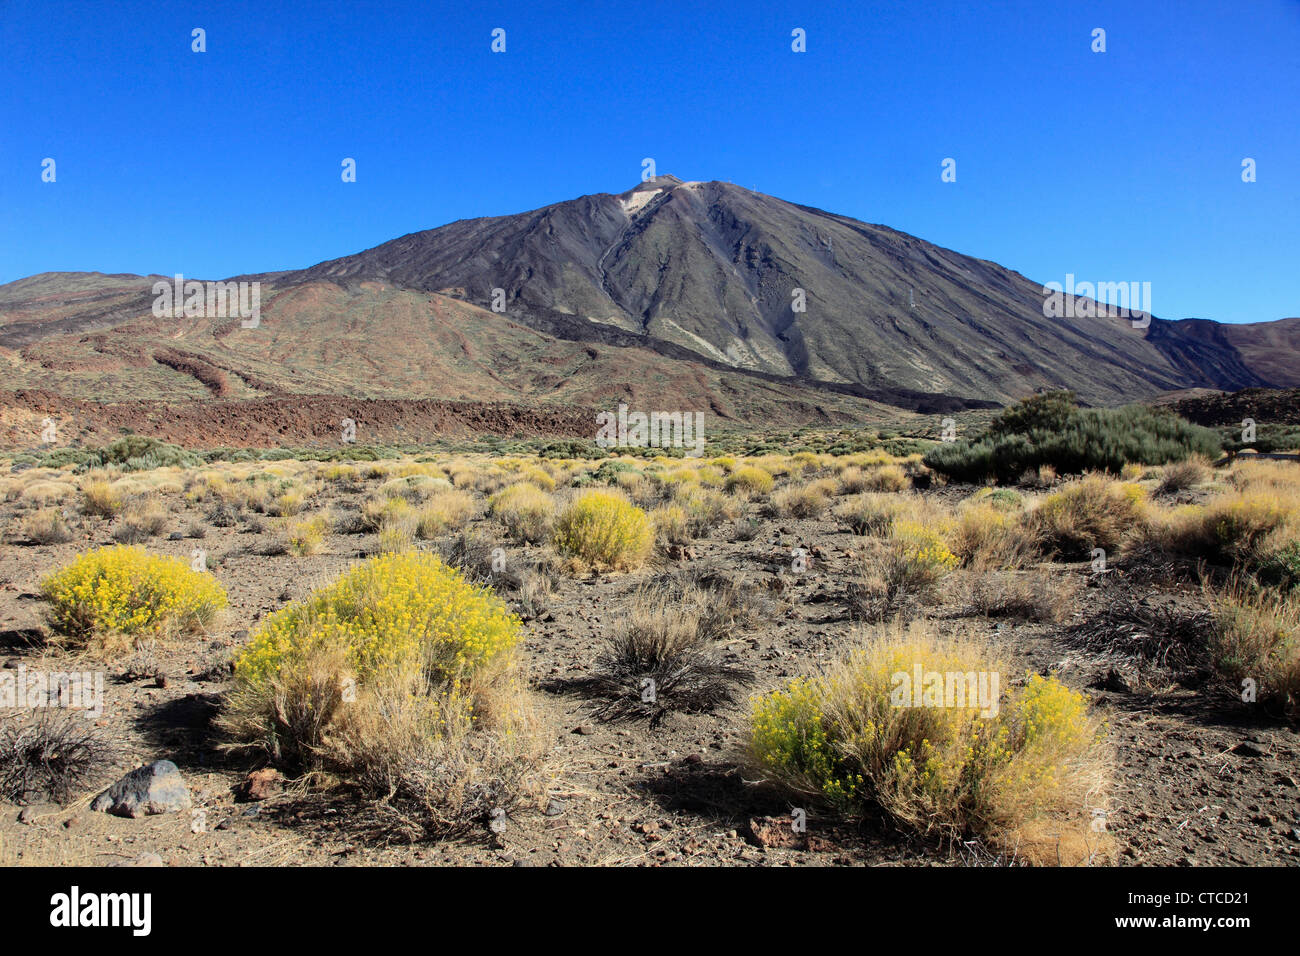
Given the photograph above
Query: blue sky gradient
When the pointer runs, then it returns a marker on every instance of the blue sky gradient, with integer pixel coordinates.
(1115, 166)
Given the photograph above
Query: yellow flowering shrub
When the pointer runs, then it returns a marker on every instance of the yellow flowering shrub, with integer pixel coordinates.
(604, 529)
(394, 611)
(400, 677)
(924, 550)
(1243, 527)
(127, 591)
(308, 537)
(994, 765)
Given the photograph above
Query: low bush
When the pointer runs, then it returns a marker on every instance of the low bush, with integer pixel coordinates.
(399, 678)
(44, 526)
(308, 537)
(1036, 595)
(117, 594)
(1021, 772)
(604, 529)
(801, 501)
(526, 510)
(665, 657)
(869, 514)
(1092, 512)
(52, 758)
(444, 511)
(985, 537)
(100, 498)
(142, 519)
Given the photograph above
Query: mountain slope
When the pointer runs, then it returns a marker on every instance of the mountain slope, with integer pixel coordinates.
(670, 295)
(711, 268)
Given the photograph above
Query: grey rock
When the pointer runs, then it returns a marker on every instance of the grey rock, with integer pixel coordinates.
(155, 788)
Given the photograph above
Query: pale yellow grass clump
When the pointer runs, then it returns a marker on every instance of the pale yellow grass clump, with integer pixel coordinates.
(672, 524)
(44, 526)
(803, 501)
(1256, 638)
(444, 511)
(143, 518)
(527, 511)
(1024, 769)
(44, 492)
(985, 537)
(1095, 511)
(98, 497)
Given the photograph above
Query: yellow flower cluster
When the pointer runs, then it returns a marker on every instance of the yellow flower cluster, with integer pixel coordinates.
(400, 611)
(126, 590)
(843, 735)
(924, 547)
(604, 529)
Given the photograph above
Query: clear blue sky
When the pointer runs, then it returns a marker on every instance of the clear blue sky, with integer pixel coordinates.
(1116, 166)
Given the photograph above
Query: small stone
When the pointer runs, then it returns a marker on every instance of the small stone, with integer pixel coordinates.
(555, 808)
(144, 859)
(258, 785)
(155, 788)
(584, 729)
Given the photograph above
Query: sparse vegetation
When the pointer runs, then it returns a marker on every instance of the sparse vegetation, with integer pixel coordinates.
(1021, 773)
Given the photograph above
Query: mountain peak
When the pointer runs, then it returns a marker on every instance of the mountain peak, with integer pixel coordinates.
(656, 182)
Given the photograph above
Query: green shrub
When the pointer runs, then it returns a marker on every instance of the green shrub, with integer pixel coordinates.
(141, 453)
(1039, 432)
